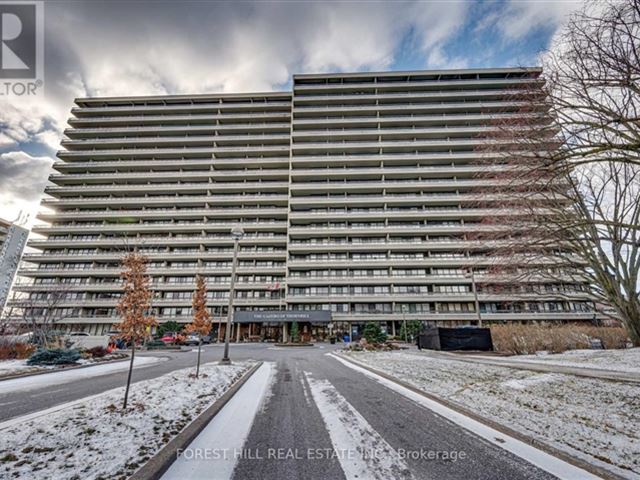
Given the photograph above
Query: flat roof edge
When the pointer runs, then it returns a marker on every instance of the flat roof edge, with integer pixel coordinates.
(536, 69)
(184, 96)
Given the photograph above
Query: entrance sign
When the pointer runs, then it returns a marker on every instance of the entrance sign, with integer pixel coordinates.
(288, 316)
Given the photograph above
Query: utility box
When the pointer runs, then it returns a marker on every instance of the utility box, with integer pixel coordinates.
(463, 338)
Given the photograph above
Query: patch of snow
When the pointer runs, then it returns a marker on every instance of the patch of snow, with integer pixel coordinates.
(543, 460)
(66, 376)
(10, 367)
(362, 451)
(521, 384)
(96, 439)
(596, 420)
(624, 360)
(216, 448)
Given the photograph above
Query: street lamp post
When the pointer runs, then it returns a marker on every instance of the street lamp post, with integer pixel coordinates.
(475, 295)
(404, 321)
(236, 233)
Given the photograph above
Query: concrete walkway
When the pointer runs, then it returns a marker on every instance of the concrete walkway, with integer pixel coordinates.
(508, 362)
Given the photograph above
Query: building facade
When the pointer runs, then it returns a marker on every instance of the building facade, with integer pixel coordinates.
(13, 239)
(355, 192)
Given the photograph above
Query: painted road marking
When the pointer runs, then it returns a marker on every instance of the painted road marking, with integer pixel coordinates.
(361, 450)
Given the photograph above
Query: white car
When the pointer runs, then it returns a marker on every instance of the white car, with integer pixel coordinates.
(191, 339)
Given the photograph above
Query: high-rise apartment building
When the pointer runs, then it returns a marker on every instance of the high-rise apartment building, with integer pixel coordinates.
(355, 192)
(13, 239)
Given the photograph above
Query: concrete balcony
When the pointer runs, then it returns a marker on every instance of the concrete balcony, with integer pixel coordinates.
(154, 256)
(159, 165)
(116, 286)
(167, 200)
(196, 187)
(447, 158)
(162, 227)
(464, 317)
(227, 118)
(158, 240)
(424, 245)
(167, 213)
(443, 262)
(453, 144)
(293, 281)
(213, 107)
(383, 97)
(306, 231)
(185, 176)
(377, 298)
(390, 172)
(387, 134)
(379, 200)
(153, 131)
(332, 112)
(174, 271)
(153, 153)
(388, 185)
(296, 217)
(405, 120)
(178, 141)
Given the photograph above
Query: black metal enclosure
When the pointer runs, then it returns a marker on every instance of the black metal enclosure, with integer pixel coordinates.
(472, 338)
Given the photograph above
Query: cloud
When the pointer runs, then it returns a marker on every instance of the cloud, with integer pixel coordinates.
(518, 19)
(22, 180)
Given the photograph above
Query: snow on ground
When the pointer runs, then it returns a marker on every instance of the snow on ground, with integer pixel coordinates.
(226, 433)
(9, 368)
(597, 420)
(16, 367)
(95, 439)
(626, 360)
(65, 376)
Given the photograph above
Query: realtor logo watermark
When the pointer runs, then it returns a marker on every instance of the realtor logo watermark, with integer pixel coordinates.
(22, 48)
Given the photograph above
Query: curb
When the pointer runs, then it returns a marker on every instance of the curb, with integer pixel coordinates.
(562, 455)
(64, 369)
(157, 465)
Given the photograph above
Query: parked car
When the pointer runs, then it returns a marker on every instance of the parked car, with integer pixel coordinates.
(78, 334)
(170, 338)
(206, 339)
(191, 339)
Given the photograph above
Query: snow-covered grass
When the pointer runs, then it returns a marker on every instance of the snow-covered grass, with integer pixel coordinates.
(16, 367)
(10, 368)
(597, 420)
(62, 376)
(627, 360)
(96, 439)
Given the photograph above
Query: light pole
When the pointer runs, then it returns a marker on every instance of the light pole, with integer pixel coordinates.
(236, 233)
(475, 295)
(404, 321)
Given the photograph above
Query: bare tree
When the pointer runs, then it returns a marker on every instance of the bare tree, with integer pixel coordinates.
(201, 323)
(134, 306)
(39, 312)
(563, 173)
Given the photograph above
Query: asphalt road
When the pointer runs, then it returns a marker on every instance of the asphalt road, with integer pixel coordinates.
(291, 425)
(295, 421)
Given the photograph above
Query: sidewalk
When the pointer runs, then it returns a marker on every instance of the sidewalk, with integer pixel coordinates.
(508, 362)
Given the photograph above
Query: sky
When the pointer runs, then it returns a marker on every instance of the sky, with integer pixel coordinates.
(117, 47)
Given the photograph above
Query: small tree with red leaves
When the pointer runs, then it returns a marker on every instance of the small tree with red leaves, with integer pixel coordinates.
(134, 306)
(201, 324)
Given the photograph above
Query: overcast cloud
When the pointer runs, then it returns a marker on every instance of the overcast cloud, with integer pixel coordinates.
(145, 47)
